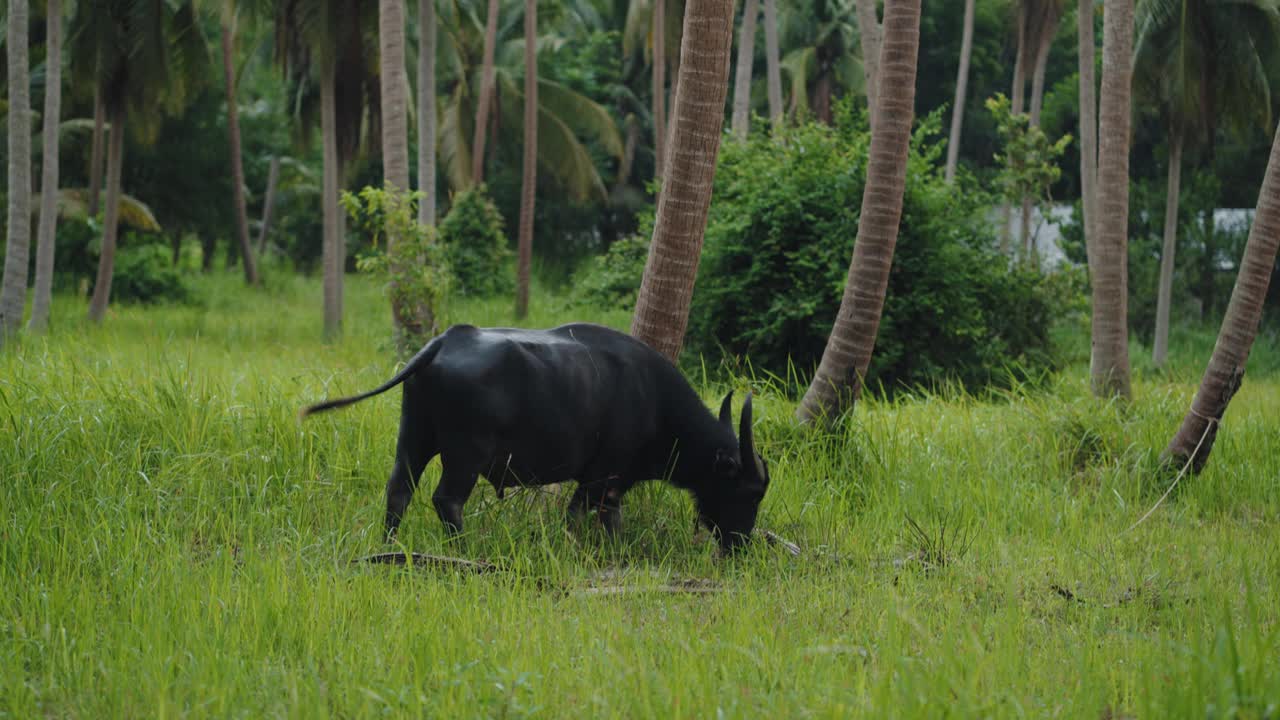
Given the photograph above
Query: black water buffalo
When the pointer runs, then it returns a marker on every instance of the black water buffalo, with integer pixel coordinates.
(577, 402)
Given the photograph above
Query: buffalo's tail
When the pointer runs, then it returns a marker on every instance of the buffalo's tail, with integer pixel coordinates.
(416, 363)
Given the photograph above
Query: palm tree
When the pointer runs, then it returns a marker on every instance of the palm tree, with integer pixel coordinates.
(427, 111)
(228, 35)
(662, 309)
(821, 63)
(324, 45)
(773, 60)
(48, 168)
(529, 181)
(1088, 124)
(1225, 371)
(565, 117)
(13, 290)
(843, 368)
(486, 94)
(413, 324)
(871, 35)
(962, 84)
(1109, 361)
(146, 61)
(1201, 63)
(742, 80)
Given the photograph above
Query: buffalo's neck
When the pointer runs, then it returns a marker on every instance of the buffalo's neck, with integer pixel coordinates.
(696, 436)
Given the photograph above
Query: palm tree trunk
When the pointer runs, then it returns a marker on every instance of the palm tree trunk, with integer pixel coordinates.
(962, 85)
(659, 87)
(742, 80)
(332, 258)
(237, 164)
(1016, 98)
(427, 111)
(1109, 362)
(486, 94)
(268, 203)
(95, 152)
(111, 223)
(870, 33)
(1088, 126)
(411, 322)
(1044, 41)
(13, 289)
(1164, 293)
(1239, 328)
(773, 61)
(48, 168)
(662, 309)
(843, 368)
(529, 181)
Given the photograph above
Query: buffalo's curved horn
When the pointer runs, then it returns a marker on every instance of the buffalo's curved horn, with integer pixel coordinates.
(726, 411)
(746, 442)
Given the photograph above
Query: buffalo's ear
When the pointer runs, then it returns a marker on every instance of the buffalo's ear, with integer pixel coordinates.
(726, 464)
(726, 411)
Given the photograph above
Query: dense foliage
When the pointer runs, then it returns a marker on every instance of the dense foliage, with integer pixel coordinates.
(782, 227)
(477, 249)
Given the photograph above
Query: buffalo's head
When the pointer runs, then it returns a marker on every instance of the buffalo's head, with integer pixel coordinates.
(727, 505)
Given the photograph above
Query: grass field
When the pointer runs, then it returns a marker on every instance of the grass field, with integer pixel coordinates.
(174, 542)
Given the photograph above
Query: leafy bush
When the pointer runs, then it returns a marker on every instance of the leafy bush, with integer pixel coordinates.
(415, 267)
(144, 272)
(476, 246)
(780, 234)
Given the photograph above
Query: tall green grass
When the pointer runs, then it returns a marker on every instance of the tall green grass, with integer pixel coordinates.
(174, 542)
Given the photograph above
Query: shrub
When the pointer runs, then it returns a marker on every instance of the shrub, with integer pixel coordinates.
(783, 221)
(144, 272)
(476, 246)
(415, 268)
(612, 280)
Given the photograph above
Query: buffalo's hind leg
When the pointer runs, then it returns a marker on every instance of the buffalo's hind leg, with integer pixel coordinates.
(415, 447)
(461, 470)
(604, 497)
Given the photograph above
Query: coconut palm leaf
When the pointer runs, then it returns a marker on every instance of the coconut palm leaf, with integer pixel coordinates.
(73, 203)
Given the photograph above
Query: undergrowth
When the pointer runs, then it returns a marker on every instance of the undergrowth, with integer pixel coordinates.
(174, 541)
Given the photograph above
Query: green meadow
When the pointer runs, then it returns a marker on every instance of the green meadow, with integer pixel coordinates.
(174, 542)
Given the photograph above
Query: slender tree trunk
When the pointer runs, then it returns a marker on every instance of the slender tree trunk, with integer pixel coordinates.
(268, 203)
(1044, 44)
(843, 368)
(529, 181)
(1109, 362)
(821, 102)
(659, 87)
(95, 152)
(48, 168)
(237, 165)
(1088, 126)
(962, 85)
(1209, 267)
(628, 154)
(742, 80)
(1016, 98)
(1239, 328)
(111, 223)
(13, 289)
(662, 310)
(332, 255)
(427, 111)
(773, 61)
(1164, 293)
(870, 33)
(486, 94)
